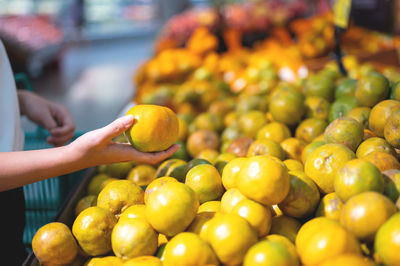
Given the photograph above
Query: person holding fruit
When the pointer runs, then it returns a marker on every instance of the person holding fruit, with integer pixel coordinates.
(19, 168)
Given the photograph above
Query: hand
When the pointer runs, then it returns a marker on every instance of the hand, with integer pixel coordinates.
(52, 116)
(96, 147)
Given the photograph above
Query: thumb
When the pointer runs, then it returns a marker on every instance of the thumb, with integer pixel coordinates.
(117, 127)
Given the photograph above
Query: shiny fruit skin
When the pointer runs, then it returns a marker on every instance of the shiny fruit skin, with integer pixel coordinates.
(284, 241)
(293, 148)
(252, 121)
(364, 213)
(198, 223)
(84, 203)
(156, 184)
(372, 89)
(373, 144)
(143, 261)
(258, 216)
(142, 175)
(266, 147)
(210, 206)
(105, 261)
(303, 196)
(230, 236)
(269, 253)
(134, 211)
(323, 163)
(387, 245)
(98, 182)
(391, 130)
(171, 208)
(231, 171)
(309, 148)
(357, 176)
(188, 249)
(349, 260)
(275, 131)
(145, 134)
(92, 229)
(172, 167)
(380, 114)
(346, 131)
(383, 160)
(133, 238)
(54, 244)
(330, 206)
(361, 115)
(230, 199)
(310, 128)
(293, 165)
(287, 106)
(119, 195)
(317, 107)
(205, 180)
(285, 226)
(336, 241)
(392, 184)
(264, 179)
(201, 140)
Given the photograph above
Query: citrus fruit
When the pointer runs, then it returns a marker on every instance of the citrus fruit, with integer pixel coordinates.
(380, 114)
(347, 87)
(250, 122)
(230, 133)
(84, 203)
(330, 206)
(134, 211)
(303, 196)
(98, 182)
(321, 86)
(258, 216)
(336, 241)
(364, 213)
(119, 195)
(392, 184)
(142, 175)
(230, 199)
(357, 176)
(171, 208)
(317, 107)
(54, 244)
(287, 106)
(346, 131)
(188, 249)
(391, 130)
(349, 260)
(264, 179)
(285, 226)
(293, 148)
(371, 89)
(172, 167)
(387, 246)
(383, 160)
(210, 206)
(208, 154)
(182, 152)
(310, 128)
(239, 146)
(230, 236)
(222, 160)
(341, 107)
(156, 184)
(395, 91)
(284, 241)
(143, 261)
(270, 253)
(116, 170)
(322, 164)
(205, 180)
(209, 121)
(198, 222)
(275, 131)
(133, 238)
(192, 163)
(183, 129)
(266, 147)
(155, 128)
(201, 140)
(92, 229)
(374, 144)
(231, 171)
(361, 115)
(309, 148)
(293, 165)
(105, 261)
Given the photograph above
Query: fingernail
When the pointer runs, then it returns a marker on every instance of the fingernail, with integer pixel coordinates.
(127, 119)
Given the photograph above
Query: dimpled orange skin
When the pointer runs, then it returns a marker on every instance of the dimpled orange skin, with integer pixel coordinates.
(188, 249)
(119, 195)
(310, 128)
(54, 244)
(380, 113)
(303, 196)
(364, 213)
(155, 128)
(323, 163)
(156, 184)
(230, 236)
(387, 244)
(374, 144)
(258, 216)
(383, 160)
(330, 206)
(266, 147)
(133, 238)
(171, 208)
(391, 130)
(264, 179)
(317, 107)
(346, 131)
(321, 239)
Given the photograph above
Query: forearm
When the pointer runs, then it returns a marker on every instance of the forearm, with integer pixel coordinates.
(25, 167)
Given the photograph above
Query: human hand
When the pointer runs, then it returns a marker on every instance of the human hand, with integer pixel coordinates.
(96, 147)
(52, 116)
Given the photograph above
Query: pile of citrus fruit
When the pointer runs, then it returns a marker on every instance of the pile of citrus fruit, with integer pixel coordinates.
(274, 173)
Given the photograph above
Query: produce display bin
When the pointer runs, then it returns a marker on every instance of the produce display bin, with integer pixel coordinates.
(66, 214)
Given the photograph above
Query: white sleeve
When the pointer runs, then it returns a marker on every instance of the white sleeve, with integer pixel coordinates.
(11, 135)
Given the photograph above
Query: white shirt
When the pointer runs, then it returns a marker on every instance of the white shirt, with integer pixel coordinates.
(11, 134)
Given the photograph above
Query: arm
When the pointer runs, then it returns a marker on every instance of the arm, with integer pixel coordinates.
(91, 149)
